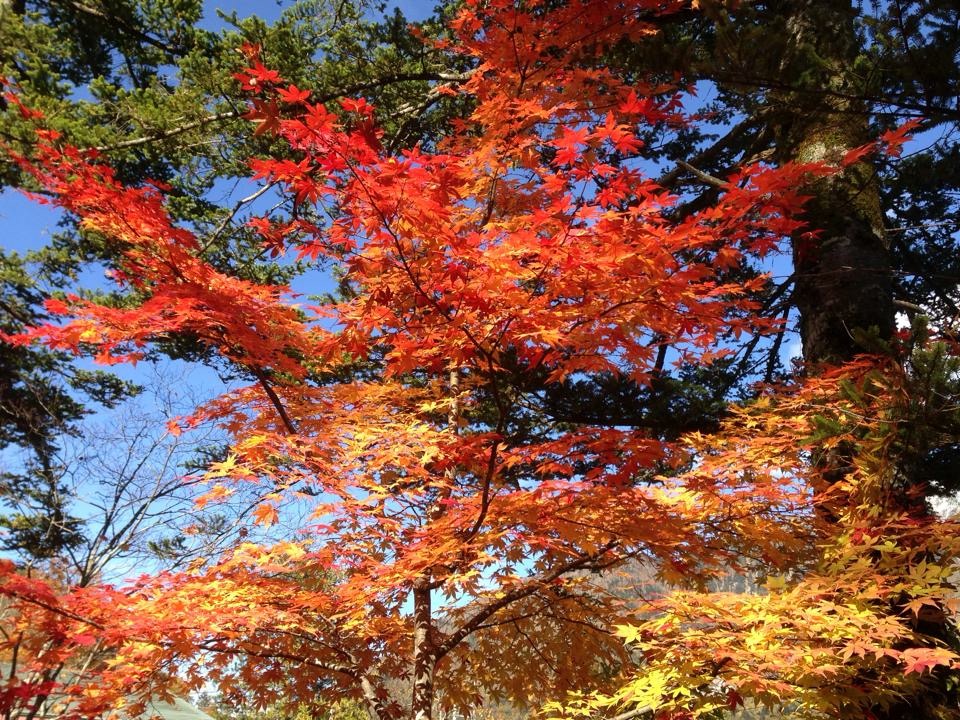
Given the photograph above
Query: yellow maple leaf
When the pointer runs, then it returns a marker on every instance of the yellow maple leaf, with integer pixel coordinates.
(265, 515)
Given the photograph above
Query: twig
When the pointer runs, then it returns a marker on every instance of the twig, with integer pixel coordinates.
(233, 213)
(166, 134)
(704, 176)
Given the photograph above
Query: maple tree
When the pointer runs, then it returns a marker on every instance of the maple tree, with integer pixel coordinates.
(150, 84)
(441, 518)
(849, 630)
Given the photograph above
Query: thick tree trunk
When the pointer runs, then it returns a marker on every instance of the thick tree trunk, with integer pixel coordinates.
(842, 272)
(843, 282)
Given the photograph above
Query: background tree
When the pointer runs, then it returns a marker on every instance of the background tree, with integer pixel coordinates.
(128, 505)
(782, 81)
(39, 409)
(812, 81)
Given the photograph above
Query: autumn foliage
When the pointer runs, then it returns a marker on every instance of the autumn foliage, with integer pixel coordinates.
(436, 525)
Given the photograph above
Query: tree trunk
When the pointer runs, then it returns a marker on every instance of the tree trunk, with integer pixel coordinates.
(843, 282)
(842, 272)
(424, 654)
(378, 706)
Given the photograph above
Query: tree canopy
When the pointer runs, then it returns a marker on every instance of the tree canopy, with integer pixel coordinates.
(549, 290)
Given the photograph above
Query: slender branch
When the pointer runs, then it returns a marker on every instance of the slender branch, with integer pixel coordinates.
(773, 354)
(485, 493)
(317, 98)
(114, 19)
(233, 213)
(275, 399)
(169, 133)
(15, 313)
(270, 655)
(526, 589)
(908, 306)
(925, 109)
(536, 649)
(704, 176)
(669, 179)
(57, 610)
(630, 714)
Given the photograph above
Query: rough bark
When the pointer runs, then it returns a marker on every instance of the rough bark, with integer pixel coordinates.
(843, 273)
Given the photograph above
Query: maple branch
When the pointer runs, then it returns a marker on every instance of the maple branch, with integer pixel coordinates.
(485, 492)
(528, 588)
(376, 698)
(491, 202)
(315, 639)
(47, 675)
(543, 613)
(494, 447)
(266, 654)
(275, 400)
(418, 286)
(536, 648)
(56, 610)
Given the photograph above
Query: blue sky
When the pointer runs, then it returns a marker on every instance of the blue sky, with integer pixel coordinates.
(24, 224)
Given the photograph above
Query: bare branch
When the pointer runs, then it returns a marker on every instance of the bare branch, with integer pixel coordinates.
(169, 133)
(525, 589)
(704, 176)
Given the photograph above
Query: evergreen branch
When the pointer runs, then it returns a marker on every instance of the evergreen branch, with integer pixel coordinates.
(169, 133)
(171, 50)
